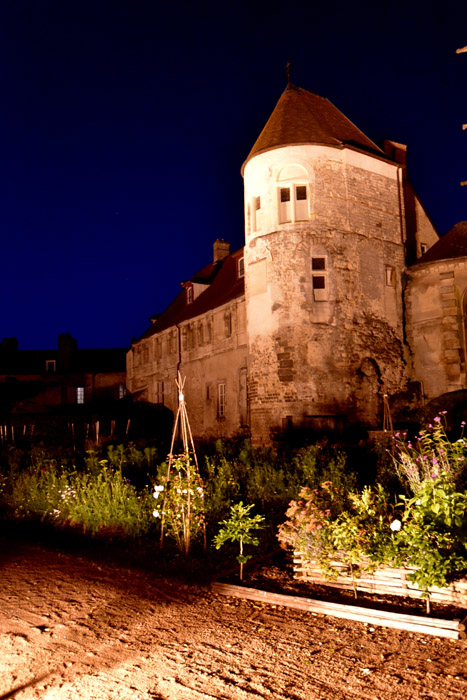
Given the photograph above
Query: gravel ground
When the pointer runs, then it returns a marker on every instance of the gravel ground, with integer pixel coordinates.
(73, 625)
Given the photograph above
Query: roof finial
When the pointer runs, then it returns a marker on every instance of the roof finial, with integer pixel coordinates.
(287, 71)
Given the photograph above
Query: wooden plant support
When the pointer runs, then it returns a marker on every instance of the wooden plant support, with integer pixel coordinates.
(450, 629)
(181, 424)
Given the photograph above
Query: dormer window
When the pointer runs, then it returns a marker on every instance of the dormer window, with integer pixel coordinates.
(241, 267)
(189, 294)
(50, 366)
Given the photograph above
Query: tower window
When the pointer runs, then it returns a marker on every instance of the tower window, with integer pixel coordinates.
(390, 276)
(319, 281)
(293, 204)
(241, 267)
(256, 213)
(80, 394)
(189, 295)
(318, 263)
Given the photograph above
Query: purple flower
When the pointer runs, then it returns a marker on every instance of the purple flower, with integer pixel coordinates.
(463, 423)
(437, 419)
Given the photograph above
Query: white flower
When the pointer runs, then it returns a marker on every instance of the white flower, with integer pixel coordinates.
(156, 514)
(418, 501)
(156, 494)
(395, 525)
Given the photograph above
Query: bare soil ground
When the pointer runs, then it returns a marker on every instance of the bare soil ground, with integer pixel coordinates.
(76, 625)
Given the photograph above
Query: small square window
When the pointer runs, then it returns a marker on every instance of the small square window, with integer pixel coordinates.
(50, 366)
(319, 282)
(318, 263)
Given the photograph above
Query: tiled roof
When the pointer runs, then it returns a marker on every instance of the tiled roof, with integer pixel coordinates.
(452, 245)
(303, 117)
(225, 286)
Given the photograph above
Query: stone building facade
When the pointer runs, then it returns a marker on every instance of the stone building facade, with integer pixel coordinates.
(306, 325)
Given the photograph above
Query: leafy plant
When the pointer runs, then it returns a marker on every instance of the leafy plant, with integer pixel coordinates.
(433, 534)
(238, 528)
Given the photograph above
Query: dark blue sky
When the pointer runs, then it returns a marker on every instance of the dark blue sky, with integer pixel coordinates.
(124, 126)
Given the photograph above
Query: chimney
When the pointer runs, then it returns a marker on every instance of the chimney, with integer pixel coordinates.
(396, 152)
(67, 347)
(221, 249)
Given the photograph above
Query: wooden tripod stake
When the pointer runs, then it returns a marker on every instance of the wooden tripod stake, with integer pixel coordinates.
(182, 424)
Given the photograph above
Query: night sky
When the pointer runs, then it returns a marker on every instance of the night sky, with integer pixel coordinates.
(125, 124)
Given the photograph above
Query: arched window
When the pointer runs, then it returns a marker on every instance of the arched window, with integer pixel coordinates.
(293, 194)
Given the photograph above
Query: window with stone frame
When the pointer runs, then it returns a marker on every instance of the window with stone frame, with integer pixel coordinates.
(228, 324)
(241, 267)
(159, 392)
(390, 276)
(221, 400)
(319, 278)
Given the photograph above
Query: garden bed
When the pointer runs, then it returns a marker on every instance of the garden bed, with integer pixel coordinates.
(272, 581)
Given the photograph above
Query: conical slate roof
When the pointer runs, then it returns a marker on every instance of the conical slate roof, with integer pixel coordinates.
(303, 117)
(452, 245)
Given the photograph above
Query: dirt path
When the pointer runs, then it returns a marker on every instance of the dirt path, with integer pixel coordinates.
(72, 628)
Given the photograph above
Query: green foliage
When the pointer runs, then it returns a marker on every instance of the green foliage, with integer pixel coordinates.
(93, 502)
(238, 528)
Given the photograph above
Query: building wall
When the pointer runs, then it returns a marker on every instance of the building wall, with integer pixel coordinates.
(209, 351)
(435, 304)
(332, 351)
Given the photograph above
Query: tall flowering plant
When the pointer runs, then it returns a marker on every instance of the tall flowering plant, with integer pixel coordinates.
(430, 455)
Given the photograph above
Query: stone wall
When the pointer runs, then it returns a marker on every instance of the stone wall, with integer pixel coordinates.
(209, 350)
(435, 296)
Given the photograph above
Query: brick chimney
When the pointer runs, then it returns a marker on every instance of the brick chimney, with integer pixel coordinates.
(221, 249)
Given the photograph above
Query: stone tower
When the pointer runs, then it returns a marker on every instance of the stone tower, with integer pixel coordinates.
(325, 248)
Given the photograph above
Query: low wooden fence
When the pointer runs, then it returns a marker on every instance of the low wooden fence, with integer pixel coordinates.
(384, 581)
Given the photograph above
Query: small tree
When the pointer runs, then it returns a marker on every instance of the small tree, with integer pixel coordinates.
(237, 529)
